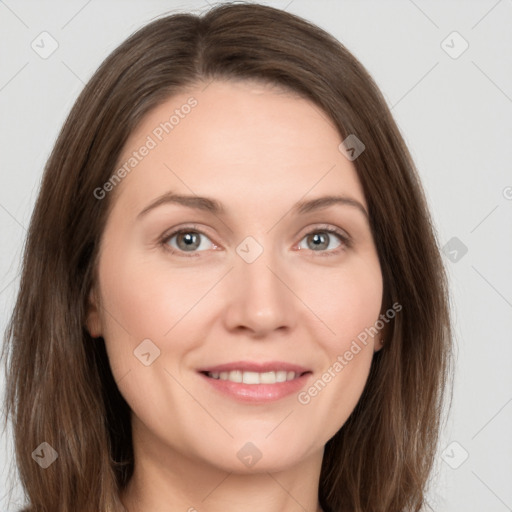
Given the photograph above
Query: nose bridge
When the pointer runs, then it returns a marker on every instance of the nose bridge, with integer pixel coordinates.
(260, 301)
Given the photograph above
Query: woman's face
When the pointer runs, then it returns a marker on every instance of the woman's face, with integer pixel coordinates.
(254, 283)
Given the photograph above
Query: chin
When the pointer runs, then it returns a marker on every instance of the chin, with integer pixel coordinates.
(253, 456)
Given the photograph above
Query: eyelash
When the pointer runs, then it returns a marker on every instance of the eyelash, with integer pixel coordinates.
(346, 241)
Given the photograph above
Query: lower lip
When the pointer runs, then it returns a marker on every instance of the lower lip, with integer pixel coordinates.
(257, 392)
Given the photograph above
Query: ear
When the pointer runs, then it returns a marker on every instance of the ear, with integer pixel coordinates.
(93, 320)
(383, 336)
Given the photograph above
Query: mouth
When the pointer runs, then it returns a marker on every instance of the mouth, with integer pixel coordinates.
(256, 382)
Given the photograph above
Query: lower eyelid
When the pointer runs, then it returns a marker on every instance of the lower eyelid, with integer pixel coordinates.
(344, 239)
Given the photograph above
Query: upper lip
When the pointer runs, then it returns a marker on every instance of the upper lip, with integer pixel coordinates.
(253, 366)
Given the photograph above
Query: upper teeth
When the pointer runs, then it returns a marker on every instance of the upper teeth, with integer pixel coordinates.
(253, 377)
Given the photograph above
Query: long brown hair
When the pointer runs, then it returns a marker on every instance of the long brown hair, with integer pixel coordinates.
(60, 389)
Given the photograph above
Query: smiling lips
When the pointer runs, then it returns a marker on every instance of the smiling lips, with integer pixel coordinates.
(256, 382)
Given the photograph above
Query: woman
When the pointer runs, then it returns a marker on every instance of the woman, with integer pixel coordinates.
(232, 294)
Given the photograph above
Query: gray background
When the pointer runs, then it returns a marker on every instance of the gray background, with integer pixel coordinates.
(455, 115)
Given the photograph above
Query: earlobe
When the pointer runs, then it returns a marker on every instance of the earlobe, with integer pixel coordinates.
(93, 321)
(379, 343)
(382, 336)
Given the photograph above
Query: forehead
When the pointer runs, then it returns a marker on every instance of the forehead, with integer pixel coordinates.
(244, 141)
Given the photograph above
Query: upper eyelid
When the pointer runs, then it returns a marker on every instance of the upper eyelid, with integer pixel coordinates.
(333, 230)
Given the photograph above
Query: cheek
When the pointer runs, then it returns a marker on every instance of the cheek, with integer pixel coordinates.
(147, 298)
(332, 396)
(347, 300)
(143, 300)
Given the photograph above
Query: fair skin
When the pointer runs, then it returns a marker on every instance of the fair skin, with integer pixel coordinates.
(257, 151)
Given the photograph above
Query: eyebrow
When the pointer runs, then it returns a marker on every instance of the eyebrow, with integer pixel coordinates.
(215, 207)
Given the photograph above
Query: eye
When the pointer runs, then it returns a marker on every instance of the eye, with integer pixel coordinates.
(325, 240)
(187, 240)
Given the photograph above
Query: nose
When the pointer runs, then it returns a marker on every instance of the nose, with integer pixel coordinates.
(260, 298)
